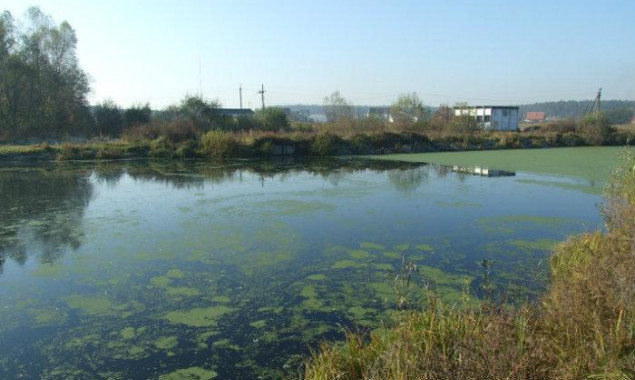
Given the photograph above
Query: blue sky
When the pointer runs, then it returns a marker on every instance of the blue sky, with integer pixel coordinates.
(488, 51)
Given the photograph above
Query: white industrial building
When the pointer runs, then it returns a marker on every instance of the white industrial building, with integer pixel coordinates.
(492, 118)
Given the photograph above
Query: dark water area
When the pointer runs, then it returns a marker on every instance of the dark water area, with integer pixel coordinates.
(164, 270)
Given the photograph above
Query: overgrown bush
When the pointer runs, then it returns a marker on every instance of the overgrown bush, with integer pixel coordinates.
(595, 129)
(217, 144)
(323, 144)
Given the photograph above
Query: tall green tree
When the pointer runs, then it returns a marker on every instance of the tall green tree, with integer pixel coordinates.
(137, 114)
(271, 119)
(202, 112)
(42, 88)
(337, 109)
(108, 119)
(408, 110)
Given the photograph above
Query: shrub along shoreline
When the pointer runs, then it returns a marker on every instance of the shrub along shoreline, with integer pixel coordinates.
(218, 144)
(583, 327)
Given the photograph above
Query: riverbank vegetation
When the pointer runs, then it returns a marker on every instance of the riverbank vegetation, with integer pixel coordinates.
(583, 327)
(200, 137)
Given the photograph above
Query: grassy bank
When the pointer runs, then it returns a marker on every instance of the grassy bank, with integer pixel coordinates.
(325, 142)
(583, 327)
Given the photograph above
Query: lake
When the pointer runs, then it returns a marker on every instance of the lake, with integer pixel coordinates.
(150, 269)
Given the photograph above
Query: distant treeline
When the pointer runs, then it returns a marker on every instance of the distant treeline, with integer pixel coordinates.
(618, 111)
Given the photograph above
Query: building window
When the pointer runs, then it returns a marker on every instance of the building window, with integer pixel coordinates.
(479, 119)
(488, 118)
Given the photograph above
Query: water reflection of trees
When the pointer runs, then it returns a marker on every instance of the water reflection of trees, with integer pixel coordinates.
(41, 209)
(409, 179)
(41, 212)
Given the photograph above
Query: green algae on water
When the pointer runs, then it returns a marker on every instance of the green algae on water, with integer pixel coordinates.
(537, 245)
(182, 291)
(128, 333)
(424, 247)
(308, 291)
(175, 273)
(317, 277)
(166, 343)
(192, 373)
(343, 264)
(199, 317)
(258, 324)
(372, 246)
(221, 299)
(359, 254)
(161, 281)
(98, 306)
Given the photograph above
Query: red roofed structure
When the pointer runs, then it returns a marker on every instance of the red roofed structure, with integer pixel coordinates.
(535, 117)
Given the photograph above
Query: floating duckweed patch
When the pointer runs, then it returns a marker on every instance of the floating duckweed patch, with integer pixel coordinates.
(359, 254)
(384, 290)
(161, 281)
(358, 312)
(175, 273)
(166, 343)
(192, 373)
(531, 245)
(317, 277)
(372, 246)
(401, 247)
(312, 304)
(182, 291)
(258, 324)
(199, 317)
(124, 350)
(226, 343)
(271, 309)
(97, 306)
(440, 277)
(308, 291)
(392, 255)
(221, 299)
(424, 247)
(128, 333)
(342, 264)
(384, 267)
(508, 223)
(52, 316)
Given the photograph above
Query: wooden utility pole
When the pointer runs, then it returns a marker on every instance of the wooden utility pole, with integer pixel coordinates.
(262, 94)
(595, 107)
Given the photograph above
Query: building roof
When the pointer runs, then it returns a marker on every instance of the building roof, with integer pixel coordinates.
(535, 116)
(497, 107)
(235, 112)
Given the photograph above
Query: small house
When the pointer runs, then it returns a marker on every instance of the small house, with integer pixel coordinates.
(535, 117)
(380, 113)
(491, 118)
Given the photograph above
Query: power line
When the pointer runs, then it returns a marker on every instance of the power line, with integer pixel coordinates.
(262, 94)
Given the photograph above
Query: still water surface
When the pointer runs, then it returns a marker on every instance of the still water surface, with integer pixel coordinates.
(167, 270)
